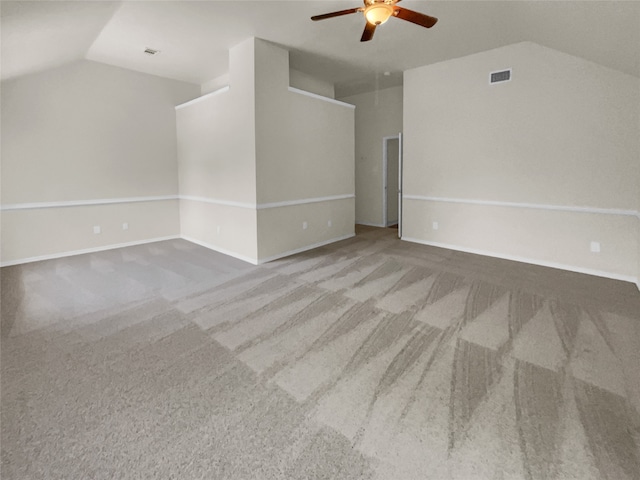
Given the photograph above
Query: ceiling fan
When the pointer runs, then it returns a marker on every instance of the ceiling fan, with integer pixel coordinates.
(376, 12)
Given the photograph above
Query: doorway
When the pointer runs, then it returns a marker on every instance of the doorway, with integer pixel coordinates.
(392, 182)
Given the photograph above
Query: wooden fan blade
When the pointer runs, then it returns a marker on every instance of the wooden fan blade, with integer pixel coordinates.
(335, 14)
(367, 35)
(415, 17)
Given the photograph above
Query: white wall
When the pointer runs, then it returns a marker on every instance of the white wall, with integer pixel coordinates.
(533, 169)
(78, 134)
(378, 115)
(89, 145)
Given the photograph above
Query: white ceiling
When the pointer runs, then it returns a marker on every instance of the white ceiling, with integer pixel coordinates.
(194, 37)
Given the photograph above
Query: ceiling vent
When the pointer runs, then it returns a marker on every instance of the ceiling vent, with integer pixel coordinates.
(500, 77)
(151, 51)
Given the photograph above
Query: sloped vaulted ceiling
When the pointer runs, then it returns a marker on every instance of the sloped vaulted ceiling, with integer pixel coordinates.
(41, 35)
(194, 37)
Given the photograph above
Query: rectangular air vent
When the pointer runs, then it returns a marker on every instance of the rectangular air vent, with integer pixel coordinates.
(501, 76)
(151, 51)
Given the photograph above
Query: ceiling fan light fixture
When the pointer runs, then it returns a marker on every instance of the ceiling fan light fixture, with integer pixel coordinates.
(378, 13)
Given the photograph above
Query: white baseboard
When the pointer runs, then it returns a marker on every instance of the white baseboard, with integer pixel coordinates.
(367, 224)
(260, 261)
(224, 251)
(532, 261)
(253, 261)
(85, 250)
(244, 258)
(304, 249)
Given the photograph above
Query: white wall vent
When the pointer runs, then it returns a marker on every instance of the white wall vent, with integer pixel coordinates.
(500, 77)
(151, 51)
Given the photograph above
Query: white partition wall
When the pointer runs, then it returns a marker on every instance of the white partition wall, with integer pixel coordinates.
(265, 170)
(543, 168)
(305, 162)
(217, 162)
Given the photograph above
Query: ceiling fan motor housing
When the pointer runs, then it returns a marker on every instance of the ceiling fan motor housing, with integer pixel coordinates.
(377, 13)
(372, 2)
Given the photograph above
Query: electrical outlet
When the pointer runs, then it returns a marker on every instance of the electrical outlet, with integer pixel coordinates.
(125, 226)
(218, 229)
(595, 247)
(304, 225)
(435, 225)
(97, 229)
(329, 223)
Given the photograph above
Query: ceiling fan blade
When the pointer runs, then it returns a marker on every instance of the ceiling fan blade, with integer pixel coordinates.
(415, 17)
(335, 14)
(367, 35)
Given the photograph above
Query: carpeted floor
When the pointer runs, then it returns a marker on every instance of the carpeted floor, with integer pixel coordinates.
(371, 358)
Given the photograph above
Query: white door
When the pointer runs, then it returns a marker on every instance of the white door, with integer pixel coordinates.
(400, 185)
(392, 181)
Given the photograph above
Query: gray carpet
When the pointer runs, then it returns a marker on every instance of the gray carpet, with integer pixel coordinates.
(371, 358)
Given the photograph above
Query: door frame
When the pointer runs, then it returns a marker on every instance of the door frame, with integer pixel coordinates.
(385, 141)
